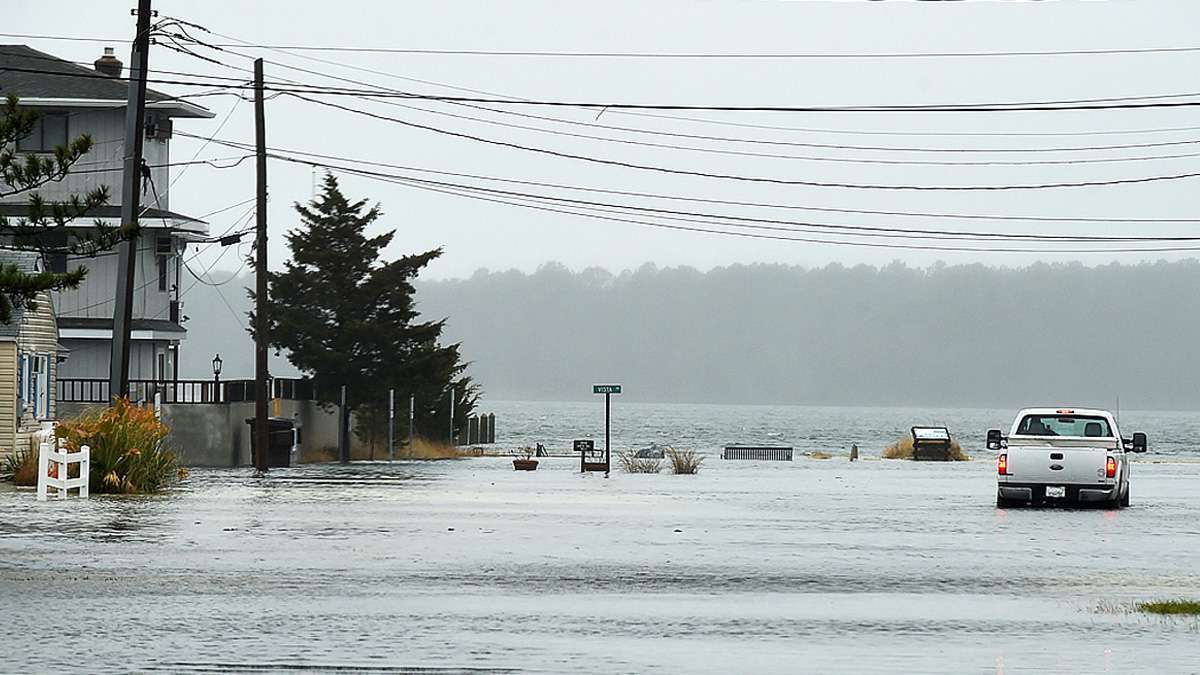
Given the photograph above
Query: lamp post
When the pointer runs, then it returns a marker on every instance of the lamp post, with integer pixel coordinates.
(217, 378)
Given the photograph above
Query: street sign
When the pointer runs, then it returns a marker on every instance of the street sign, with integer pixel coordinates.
(606, 388)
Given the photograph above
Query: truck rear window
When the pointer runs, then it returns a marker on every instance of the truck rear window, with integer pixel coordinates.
(1064, 425)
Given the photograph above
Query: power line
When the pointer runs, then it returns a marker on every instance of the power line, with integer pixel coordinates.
(671, 117)
(1102, 103)
(766, 142)
(775, 237)
(765, 223)
(722, 202)
(666, 55)
(743, 178)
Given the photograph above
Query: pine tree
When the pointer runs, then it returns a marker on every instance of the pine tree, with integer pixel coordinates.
(45, 221)
(348, 318)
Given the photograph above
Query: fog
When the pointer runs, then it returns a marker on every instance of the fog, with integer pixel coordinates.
(961, 335)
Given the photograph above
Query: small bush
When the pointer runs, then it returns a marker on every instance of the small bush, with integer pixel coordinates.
(22, 464)
(426, 449)
(684, 461)
(1171, 607)
(128, 453)
(903, 449)
(817, 454)
(633, 464)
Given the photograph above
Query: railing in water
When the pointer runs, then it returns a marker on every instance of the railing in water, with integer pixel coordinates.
(758, 452)
(95, 390)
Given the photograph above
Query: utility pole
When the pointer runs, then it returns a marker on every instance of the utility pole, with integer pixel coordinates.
(412, 416)
(261, 429)
(135, 133)
(392, 424)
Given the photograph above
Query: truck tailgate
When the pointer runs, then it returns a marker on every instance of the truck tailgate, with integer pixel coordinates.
(1057, 463)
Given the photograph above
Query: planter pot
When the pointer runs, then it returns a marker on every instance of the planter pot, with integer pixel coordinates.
(525, 464)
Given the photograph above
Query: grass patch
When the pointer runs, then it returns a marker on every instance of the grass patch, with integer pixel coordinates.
(684, 461)
(903, 449)
(817, 454)
(427, 449)
(633, 464)
(1171, 607)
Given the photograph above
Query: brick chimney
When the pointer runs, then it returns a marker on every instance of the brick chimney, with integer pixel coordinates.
(108, 64)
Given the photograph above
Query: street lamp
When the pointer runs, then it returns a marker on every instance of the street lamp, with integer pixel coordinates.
(217, 378)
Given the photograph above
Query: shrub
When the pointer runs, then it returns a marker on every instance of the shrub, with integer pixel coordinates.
(633, 464)
(684, 461)
(22, 464)
(818, 454)
(127, 450)
(1172, 607)
(903, 449)
(426, 449)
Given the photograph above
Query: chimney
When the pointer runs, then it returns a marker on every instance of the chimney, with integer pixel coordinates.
(109, 64)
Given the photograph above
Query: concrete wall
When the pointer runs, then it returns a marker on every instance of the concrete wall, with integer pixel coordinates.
(216, 434)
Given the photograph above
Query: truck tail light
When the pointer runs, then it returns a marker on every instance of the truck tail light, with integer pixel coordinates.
(1110, 469)
(1002, 465)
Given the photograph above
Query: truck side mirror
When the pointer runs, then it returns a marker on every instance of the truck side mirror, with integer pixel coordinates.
(993, 439)
(1139, 442)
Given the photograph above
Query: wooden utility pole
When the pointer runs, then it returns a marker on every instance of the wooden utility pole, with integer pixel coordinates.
(135, 133)
(262, 429)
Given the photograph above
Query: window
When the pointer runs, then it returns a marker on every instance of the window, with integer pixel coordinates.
(1064, 425)
(49, 132)
(162, 272)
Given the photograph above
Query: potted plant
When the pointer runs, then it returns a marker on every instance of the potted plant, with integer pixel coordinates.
(526, 462)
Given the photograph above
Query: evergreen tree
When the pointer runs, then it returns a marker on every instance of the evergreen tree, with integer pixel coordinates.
(348, 318)
(43, 228)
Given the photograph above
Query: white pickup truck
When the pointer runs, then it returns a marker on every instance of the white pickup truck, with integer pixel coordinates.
(1063, 455)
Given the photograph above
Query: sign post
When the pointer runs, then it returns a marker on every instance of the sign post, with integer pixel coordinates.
(608, 390)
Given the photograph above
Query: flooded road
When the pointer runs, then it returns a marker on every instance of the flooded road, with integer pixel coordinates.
(468, 566)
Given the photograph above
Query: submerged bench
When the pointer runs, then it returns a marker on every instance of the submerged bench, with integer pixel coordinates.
(758, 452)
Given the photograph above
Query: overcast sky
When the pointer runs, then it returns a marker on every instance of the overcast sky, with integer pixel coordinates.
(479, 234)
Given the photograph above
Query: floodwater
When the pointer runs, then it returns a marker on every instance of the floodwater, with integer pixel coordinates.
(467, 566)
(830, 429)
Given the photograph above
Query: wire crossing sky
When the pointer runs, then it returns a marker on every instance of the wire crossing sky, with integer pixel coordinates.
(700, 137)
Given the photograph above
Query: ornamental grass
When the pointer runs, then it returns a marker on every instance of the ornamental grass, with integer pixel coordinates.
(128, 452)
(903, 449)
(684, 461)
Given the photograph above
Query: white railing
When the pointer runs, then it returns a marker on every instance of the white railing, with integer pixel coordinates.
(53, 469)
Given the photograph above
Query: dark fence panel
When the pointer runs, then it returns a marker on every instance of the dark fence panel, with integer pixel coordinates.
(759, 453)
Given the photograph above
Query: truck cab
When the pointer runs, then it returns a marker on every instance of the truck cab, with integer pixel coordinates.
(1063, 456)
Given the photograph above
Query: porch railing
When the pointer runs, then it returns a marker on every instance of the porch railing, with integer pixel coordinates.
(95, 390)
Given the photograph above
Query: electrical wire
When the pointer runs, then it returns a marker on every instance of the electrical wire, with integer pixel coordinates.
(743, 178)
(1101, 103)
(727, 139)
(662, 55)
(723, 202)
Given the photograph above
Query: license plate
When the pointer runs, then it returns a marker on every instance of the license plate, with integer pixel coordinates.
(1055, 491)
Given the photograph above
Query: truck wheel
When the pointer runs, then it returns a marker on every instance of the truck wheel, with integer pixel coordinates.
(1125, 498)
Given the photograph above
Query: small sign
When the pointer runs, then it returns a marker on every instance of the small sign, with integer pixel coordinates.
(930, 434)
(585, 446)
(606, 388)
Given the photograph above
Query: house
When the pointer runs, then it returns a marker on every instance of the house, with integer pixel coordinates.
(75, 99)
(30, 357)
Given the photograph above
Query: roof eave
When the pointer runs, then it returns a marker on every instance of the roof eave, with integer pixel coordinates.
(173, 108)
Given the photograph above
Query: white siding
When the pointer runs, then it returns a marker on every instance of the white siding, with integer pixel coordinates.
(94, 297)
(107, 128)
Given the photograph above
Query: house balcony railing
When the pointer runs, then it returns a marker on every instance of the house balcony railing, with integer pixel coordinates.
(95, 390)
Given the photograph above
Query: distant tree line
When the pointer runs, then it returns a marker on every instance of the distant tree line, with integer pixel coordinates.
(958, 335)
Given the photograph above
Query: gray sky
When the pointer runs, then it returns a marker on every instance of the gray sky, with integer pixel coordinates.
(478, 234)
